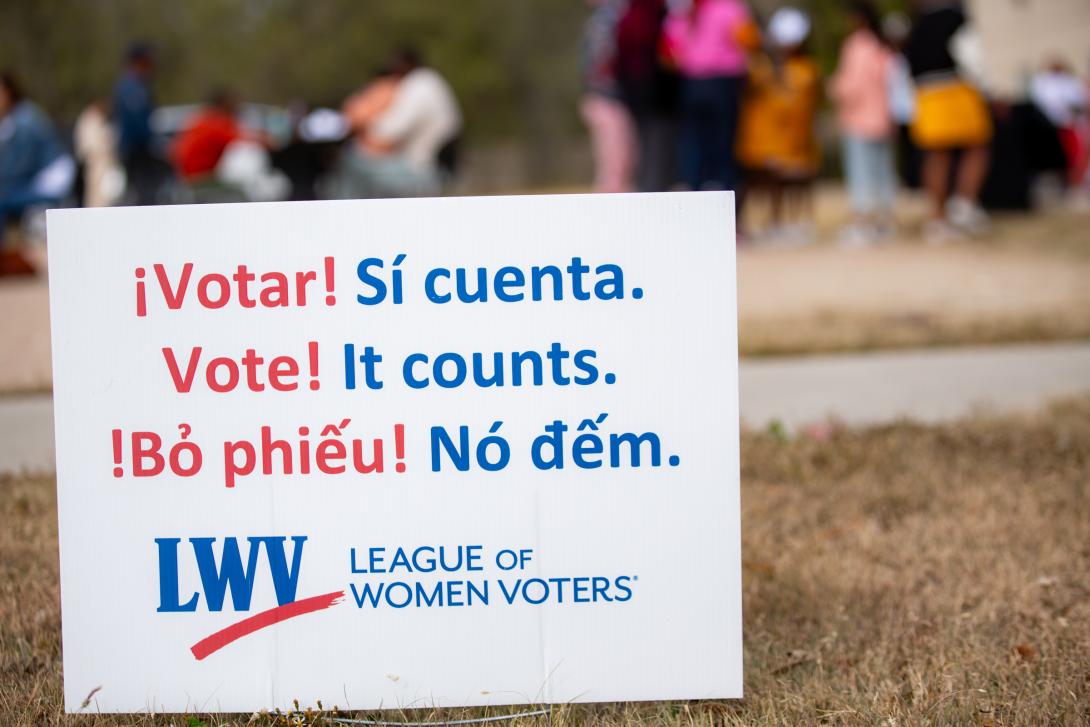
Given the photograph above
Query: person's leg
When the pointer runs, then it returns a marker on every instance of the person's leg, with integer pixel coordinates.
(589, 109)
(606, 148)
(775, 201)
(971, 172)
(800, 194)
(963, 209)
(935, 176)
(804, 190)
(731, 90)
(690, 151)
(140, 186)
(613, 142)
(718, 136)
(618, 147)
(642, 130)
(887, 176)
(858, 172)
(853, 158)
(709, 135)
(661, 161)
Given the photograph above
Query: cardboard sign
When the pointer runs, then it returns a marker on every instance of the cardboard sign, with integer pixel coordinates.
(397, 453)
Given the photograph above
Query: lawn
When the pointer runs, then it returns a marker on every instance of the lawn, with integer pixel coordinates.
(901, 575)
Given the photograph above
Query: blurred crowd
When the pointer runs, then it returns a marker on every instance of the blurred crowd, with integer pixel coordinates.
(697, 94)
(678, 94)
(396, 136)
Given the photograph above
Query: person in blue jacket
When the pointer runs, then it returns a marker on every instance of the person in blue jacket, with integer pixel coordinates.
(133, 104)
(35, 168)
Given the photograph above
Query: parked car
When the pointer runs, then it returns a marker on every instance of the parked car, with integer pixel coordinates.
(275, 122)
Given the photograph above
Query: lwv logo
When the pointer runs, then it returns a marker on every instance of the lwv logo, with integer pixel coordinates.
(230, 573)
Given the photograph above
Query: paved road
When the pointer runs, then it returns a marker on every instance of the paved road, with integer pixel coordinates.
(858, 389)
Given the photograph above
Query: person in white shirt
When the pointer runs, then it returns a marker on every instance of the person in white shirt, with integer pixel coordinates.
(401, 145)
(96, 148)
(1059, 94)
(1062, 97)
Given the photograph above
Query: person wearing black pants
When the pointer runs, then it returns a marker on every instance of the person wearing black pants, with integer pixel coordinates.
(709, 42)
(709, 127)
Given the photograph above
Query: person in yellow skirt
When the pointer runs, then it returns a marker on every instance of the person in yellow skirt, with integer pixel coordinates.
(951, 114)
(777, 143)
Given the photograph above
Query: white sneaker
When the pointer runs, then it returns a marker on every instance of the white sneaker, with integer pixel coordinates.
(966, 215)
(939, 232)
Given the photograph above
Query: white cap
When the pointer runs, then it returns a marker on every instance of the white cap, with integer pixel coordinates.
(788, 27)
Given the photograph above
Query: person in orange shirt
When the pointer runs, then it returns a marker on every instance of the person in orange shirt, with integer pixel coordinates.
(777, 142)
(198, 149)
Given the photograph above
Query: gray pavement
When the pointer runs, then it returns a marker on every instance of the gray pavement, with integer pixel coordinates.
(930, 385)
(26, 433)
(925, 385)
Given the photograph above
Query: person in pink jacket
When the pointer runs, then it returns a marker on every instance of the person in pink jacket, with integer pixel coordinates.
(709, 41)
(860, 91)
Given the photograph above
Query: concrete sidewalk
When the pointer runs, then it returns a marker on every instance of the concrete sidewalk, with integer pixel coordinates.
(926, 385)
(857, 389)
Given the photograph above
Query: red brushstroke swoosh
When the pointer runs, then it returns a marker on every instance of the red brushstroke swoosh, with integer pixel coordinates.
(223, 637)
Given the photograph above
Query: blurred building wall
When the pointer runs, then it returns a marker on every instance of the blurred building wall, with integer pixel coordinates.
(1018, 36)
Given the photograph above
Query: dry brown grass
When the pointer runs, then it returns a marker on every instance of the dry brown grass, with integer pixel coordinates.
(902, 575)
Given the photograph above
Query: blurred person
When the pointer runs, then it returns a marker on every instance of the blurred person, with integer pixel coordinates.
(612, 135)
(311, 152)
(860, 88)
(133, 103)
(35, 168)
(709, 42)
(896, 28)
(758, 142)
(401, 151)
(651, 92)
(247, 166)
(96, 150)
(197, 150)
(363, 108)
(951, 114)
(216, 153)
(795, 165)
(1062, 97)
(777, 141)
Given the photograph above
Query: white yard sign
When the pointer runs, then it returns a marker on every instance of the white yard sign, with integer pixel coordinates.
(397, 453)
